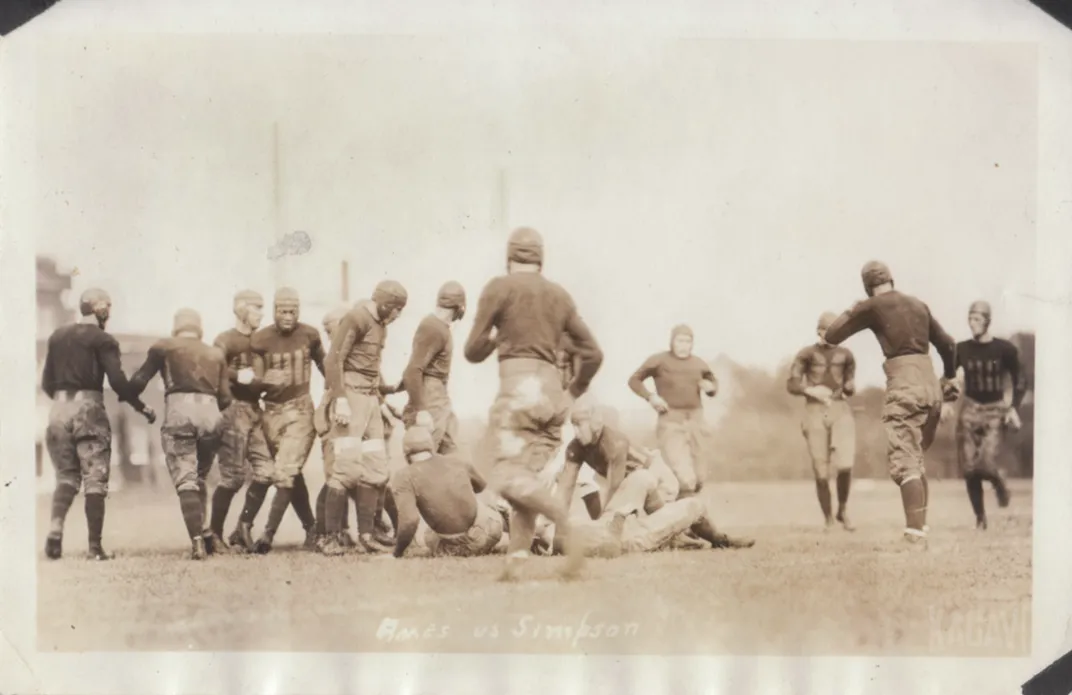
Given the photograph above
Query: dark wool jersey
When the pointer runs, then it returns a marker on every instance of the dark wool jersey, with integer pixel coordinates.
(902, 324)
(610, 449)
(529, 314)
(433, 349)
(985, 366)
(238, 353)
(441, 490)
(79, 356)
(823, 365)
(293, 354)
(187, 365)
(357, 346)
(677, 380)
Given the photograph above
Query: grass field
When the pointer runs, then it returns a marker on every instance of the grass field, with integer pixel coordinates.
(798, 592)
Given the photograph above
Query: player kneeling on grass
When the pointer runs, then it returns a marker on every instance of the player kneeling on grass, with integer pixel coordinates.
(197, 390)
(825, 376)
(639, 515)
(441, 490)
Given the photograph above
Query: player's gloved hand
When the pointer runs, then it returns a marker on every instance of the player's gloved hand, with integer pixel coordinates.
(149, 414)
(950, 390)
(274, 377)
(245, 376)
(658, 403)
(341, 411)
(819, 393)
(1012, 420)
(708, 387)
(424, 419)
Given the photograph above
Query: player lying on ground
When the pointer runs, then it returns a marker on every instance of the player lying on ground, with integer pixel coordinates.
(197, 391)
(635, 490)
(825, 376)
(985, 412)
(79, 434)
(522, 316)
(283, 357)
(905, 330)
(243, 455)
(354, 379)
(442, 490)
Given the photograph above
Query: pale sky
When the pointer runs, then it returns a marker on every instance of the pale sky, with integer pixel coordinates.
(736, 186)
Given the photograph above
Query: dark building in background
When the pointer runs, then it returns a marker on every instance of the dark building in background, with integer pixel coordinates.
(136, 455)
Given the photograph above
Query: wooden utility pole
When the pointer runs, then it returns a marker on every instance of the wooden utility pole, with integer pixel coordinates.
(278, 276)
(345, 281)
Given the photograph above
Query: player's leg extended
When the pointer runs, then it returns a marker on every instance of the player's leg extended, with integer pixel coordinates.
(178, 436)
(93, 433)
(60, 440)
(990, 447)
(817, 435)
(843, 456)
(233, 465)
(967, 438)
(375, 472)
(348, 469)
(295, 441)
(210, 436)
(653, 532)
(673, 438)
(262, 469)
(904, 416)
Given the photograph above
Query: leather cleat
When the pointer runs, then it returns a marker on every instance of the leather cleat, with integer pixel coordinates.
(845, 523)
(54, 547)
(197, 550)
(96, 552)
(242, 538)
(346, 540)
(980, 523)
(725, 541)
(331, 547)
(310, 539)
(366, 543)
(213, 543)
(263, 546)
(915, 542)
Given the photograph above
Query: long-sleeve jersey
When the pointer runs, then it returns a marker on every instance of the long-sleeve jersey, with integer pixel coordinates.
(610, 455)
(823, 365)
(902, 324)
(985, 366)
(441, 490)
(677, 380)
(568, 361)
(79, 356)
(433, 349)
(293, 354)
(356, 346)
(186, 365)
(238, 352)
(529, 314)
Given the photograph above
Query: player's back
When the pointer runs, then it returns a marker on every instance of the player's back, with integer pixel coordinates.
(533, 316)
(444, 492)
(188, 365)
(901, 323)
(73, 362)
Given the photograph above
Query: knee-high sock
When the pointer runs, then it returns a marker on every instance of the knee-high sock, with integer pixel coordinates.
(822, 489)
(336, 507)
(844, 484)
(62, 498)
(300, 500)
(391, 509)
(321, 502)
(706, 530)
(95, 518)
(190, 503)
(913, 501)
(975, 494)
(280, 503)
(221, 504)
(367, 499)
(254, 501)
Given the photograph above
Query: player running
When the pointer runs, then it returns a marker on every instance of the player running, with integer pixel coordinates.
(197, 391)
(79, 434)
(905, 330)
(984, 413)
(442, 490)
(522, 316)
(426, 376)
(825, 376)
(354, 379)
(680, 377)
(283, 357)
(637, 499)
(243, 455)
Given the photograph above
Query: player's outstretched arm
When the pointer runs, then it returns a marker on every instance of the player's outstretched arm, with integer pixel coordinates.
(850, 323)
(588, 354)
(480, 344)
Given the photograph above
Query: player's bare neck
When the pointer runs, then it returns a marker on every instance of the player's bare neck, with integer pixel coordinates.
(188, 334)
(984, 338)
(882, 289)
(515, 268)
(244, 328)
(90, 320)
(444, 315)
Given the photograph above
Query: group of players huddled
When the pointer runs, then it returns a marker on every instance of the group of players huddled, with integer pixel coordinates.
(245, 402)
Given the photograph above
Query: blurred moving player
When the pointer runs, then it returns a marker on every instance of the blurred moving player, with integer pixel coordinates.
(79, 434)
(243, 455)
(638, 500)
(355, 381)
(196, 392)
(986, 362)
(441, 490)
(825, 376)
(522, 316)
(680, 377)
(905, 330)
(283, 357)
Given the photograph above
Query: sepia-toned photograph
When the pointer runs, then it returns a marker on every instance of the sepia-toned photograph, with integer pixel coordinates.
(391, 343)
